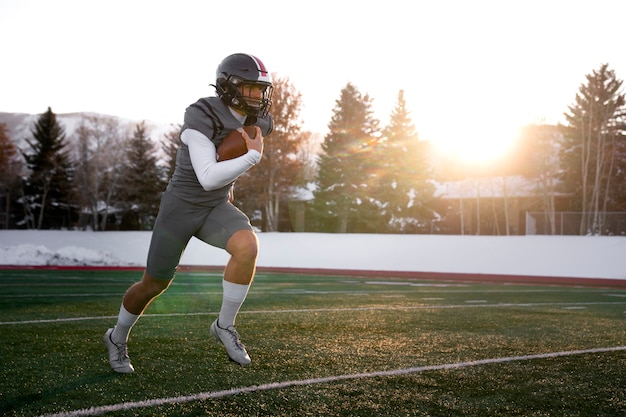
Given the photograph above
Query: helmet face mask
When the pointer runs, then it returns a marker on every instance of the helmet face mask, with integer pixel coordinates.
(243, 83)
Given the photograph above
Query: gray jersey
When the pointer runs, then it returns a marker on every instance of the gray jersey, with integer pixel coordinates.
(186, 208)
(213, 118)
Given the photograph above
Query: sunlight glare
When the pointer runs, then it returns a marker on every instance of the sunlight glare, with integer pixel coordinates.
(477, 144)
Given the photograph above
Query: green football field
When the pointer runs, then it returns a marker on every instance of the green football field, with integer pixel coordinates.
(320, 346)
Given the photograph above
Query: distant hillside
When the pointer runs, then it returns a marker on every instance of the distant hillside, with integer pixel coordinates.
(20, 125)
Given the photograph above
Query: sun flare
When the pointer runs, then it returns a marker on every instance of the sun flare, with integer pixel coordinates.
(476, 145)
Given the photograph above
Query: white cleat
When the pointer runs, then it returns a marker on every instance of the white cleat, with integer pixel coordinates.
(230, 339)
(118, 355)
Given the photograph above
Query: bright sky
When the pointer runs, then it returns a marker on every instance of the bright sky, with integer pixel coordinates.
(473, 71)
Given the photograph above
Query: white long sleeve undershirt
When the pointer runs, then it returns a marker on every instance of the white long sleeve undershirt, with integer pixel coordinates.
(212, 174)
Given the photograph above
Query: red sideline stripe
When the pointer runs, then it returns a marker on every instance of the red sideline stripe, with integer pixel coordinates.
(431, 276)
(71, 268)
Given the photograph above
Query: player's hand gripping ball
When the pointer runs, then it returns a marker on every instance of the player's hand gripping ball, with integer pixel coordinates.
(234, 145)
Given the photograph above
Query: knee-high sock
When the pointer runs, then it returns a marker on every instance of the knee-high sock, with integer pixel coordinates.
(233, 297)
(125, 322)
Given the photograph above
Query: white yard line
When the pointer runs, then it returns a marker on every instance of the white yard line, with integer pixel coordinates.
(314, 381)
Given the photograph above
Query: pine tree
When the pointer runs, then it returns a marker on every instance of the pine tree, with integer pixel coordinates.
(142, 183)
(347, 178)
(270, 184)
(405, 191)
(48, 189)
(594, 147)
(170, 144)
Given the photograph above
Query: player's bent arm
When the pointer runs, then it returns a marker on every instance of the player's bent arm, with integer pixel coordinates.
(212, 174)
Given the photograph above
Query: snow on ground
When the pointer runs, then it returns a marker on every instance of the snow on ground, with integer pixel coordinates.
(557, 256)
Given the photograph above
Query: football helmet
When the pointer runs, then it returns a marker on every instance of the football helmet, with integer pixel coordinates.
(244, 83)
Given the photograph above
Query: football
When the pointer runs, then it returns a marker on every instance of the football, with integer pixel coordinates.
(233, 145)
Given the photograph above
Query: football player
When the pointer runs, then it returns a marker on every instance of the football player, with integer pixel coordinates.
(197, 202)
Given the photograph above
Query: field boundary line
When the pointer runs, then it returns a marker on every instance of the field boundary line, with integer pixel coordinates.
(322, 310)
(619, 282)
(93, 411)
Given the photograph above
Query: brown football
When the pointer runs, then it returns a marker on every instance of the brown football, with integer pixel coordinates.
(233, 145)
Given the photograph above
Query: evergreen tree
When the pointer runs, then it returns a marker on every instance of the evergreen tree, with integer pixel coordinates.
(170, 145)
(142, 182)
(270, 184)
(344, 200)
(405, 190)
(594, 148)
(10, 180)
(48, 189)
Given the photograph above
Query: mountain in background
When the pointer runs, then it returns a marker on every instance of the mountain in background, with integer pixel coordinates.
(20, 125)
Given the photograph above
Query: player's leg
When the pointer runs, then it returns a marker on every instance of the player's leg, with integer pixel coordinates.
(137, 298)
(173, 229)
(230, 229)
(135, 301)
(238, 276)
(243, 247)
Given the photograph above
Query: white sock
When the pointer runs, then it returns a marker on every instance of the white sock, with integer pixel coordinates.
(233, 297)
(125, 322)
